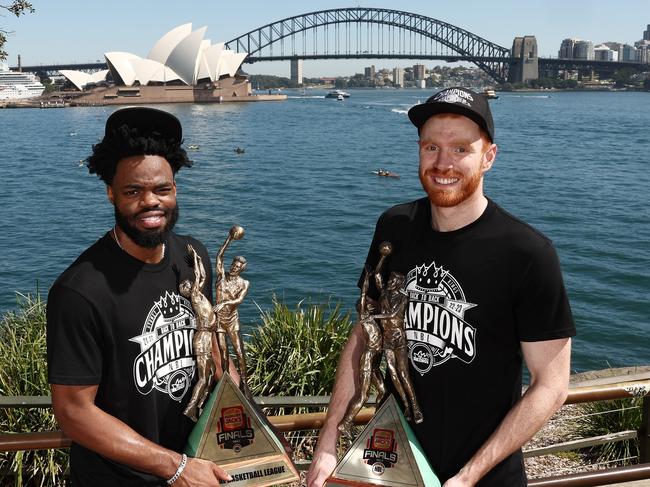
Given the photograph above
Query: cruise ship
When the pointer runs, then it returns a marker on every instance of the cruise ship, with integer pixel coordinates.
(18, 86)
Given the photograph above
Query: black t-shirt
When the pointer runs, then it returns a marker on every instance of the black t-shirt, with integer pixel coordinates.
(121, 324)
(474, 295)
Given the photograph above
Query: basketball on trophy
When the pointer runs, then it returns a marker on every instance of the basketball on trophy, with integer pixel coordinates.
(236, 232)
(385, 248)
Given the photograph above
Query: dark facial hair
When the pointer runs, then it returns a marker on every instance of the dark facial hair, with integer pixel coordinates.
(147, 238)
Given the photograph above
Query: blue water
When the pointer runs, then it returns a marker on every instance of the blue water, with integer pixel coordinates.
(574, 165)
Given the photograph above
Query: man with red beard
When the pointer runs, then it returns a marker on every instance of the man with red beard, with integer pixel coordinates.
(119, 333)
(485, 290)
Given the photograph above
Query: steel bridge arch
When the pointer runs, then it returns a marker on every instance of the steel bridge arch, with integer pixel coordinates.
(490, 57)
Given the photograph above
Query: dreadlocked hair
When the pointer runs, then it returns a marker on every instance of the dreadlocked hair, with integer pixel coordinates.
(125, 142)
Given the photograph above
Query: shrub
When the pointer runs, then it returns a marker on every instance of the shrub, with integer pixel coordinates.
(23, 372)
(295, 351)
(605, 417)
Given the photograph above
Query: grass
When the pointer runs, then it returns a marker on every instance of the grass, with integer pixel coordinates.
(295, 351)
(23, 372)
(604, 417)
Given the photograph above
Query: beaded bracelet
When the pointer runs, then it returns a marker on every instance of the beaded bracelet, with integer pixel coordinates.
(179, 470)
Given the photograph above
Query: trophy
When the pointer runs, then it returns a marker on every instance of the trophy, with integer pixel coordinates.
(230, 431)
(387, 452)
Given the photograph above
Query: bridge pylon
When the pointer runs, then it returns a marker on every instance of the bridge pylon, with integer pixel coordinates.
(525, 66)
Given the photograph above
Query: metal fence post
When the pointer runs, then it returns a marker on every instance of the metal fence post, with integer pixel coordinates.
(644, 431)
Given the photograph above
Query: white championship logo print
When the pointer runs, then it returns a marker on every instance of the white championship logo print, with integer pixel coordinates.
(454, 96)
(436, 329)
(166, 361)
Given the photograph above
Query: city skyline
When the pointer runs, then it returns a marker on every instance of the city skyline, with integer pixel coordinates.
(68, 33)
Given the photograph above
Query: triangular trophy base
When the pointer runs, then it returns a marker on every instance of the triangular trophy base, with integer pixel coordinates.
(231, 433)
(386, 453)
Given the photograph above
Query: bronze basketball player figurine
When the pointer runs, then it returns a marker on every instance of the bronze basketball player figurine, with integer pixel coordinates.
(206, 325)
(393, 301)
(369, 373)
(230, 291)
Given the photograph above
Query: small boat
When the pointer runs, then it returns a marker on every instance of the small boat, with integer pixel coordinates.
(239, 150)
(385, 173)
(490, 94)
(193, 147)
(338, 94)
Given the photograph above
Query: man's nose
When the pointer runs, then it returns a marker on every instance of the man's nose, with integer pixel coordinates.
(149, 198)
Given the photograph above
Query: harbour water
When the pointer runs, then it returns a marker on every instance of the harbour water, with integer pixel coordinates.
(574, 165)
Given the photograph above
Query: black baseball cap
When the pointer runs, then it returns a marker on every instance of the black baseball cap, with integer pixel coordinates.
(458, 100)
(147, 120)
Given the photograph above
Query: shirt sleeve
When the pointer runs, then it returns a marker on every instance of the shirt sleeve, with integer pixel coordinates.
(542, 310)
(74, 339)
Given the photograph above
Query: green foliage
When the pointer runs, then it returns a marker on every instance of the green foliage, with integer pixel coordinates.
(605, 417)
(295, 351)
(17, 8)
(23, 372)
(625, 77)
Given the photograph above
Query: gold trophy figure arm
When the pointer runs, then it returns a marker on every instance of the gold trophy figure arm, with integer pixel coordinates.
(199, 269)
(388, 315)
(220, 270)
(385, 249)
(364, 290)
(236, 233)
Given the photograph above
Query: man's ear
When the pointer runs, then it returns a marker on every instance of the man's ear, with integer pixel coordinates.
(109, 194)
(488, 158)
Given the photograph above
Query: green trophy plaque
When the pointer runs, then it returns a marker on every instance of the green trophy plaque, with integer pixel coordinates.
(231, 433)
(386, 453)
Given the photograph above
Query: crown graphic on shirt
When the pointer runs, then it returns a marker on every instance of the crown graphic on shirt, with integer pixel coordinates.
(169, 305)
(429, 276)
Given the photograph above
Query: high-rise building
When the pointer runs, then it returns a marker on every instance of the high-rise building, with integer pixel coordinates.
(646, 34)
(370, 72)
(603, 53)
(583, 50)
(567, 48)
(296, 70)
(398, 77)
(418, 72)
(642, 51)
(629, 53)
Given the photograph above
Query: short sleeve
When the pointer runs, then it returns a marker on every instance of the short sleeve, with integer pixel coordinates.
(542, 310)
(74, 339)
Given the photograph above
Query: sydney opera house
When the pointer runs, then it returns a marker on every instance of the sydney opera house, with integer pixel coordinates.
(181, 67)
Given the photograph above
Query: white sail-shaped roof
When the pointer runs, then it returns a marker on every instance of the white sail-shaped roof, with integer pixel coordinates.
(184, 58)
(166, 44)
(204, 69)
(81, 79)
(210, 59)
(229, 62)
(147, 70)
(121, 62)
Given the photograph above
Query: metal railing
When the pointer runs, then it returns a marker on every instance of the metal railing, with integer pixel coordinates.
(635, 383)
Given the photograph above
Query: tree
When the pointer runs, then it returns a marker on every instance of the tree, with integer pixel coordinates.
(18, 8)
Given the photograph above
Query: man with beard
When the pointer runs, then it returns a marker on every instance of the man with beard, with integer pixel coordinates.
(485, 290)
(119, 334)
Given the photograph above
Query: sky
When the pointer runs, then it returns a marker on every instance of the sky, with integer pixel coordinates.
(76, 31)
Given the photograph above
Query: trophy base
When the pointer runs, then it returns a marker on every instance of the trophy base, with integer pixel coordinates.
(386, 453)
(231, 433)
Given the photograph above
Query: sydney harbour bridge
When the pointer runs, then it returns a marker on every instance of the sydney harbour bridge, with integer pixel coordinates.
(375, 33)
